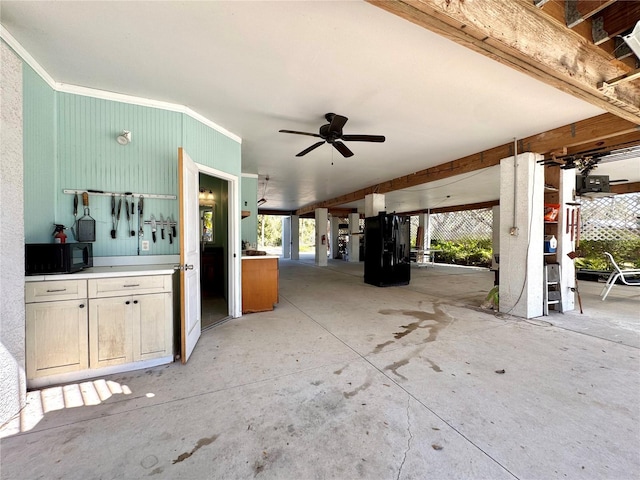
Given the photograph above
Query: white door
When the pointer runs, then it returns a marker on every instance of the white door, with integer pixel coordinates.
(190, 317)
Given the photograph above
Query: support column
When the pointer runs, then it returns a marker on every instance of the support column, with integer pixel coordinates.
(424, 242)
(374, 204)
(321, 231)
(354, 237)
(286, 237)
(565, 244)
(333, 234)
(295, 237)
(495, 238)
(521, 235)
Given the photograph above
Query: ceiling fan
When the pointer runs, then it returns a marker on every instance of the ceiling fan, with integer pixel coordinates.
(331, 133)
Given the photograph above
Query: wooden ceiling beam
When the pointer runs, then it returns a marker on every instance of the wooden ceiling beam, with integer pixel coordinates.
(621, 141)
(594, 129)
(620, 188)
(577, 11)
(615, 20)
(515, 33)
(455, 208)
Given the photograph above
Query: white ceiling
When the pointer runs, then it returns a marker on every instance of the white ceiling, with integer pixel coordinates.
(257, 67)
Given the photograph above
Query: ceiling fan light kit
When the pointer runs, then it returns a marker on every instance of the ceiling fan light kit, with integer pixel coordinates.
(331, 133)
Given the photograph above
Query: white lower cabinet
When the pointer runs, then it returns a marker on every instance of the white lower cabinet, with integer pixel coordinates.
(124, 320)
(110, 331)
(129, 329)
(56, 337)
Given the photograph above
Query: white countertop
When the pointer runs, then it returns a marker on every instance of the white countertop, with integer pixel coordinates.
(258, 257)
(103, 272)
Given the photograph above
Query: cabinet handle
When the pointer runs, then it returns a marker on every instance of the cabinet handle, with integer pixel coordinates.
(82, 305)
(127, 302)
(57, 290)
(135, 302)
(133, 285)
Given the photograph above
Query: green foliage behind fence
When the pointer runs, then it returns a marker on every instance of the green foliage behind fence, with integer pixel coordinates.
(464, 251)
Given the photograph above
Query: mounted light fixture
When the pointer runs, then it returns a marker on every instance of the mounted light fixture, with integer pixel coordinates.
(263, 200)
(633, 40)
(124, 138)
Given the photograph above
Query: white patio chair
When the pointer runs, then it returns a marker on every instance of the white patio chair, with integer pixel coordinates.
(623, 275)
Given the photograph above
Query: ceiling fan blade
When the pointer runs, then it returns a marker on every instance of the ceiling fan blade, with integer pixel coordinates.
(300, 133)
(363, 138)
(307, 150)
(343, 149)
(336, 122)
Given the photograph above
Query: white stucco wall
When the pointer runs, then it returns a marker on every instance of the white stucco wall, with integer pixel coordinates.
(521, 255)
(12, 318)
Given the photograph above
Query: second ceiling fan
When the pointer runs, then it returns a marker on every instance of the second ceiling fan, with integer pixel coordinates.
(331, 133)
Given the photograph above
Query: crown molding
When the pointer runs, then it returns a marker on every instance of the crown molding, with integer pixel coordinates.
(106, 95)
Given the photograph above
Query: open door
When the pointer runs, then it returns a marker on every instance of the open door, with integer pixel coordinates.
(190, 315)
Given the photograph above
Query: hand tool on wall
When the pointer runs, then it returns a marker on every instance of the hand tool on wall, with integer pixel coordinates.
(74, 227)
(169, 231)
(161, 227)
(173, 226)
(573, 222)
(126, 207)
(118, 215)
(153, 228)
(86, 224)
(140, 212)
(113, 216)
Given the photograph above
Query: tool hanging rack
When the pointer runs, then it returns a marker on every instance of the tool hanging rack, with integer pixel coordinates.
(128, 194)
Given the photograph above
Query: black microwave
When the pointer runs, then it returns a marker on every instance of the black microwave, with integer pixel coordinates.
(47, 258)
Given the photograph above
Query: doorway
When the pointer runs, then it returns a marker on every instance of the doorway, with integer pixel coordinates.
(213, 204)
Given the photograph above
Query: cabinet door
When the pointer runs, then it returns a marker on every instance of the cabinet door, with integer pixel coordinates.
(152, 326)
(56, 337)
(110, 331)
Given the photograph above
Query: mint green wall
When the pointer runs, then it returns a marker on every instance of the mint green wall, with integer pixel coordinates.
(249, 202)
(210, 148)
(39, 110)
(89, 157)
(79, 151)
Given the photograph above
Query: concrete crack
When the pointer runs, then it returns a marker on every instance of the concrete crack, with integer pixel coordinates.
(404, 458)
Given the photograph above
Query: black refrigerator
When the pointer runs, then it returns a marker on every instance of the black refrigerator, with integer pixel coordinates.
(386, 250)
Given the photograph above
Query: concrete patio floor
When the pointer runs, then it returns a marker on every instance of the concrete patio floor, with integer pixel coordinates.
(344, 380)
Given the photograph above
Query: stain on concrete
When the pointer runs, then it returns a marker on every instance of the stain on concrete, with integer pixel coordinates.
(73, 434)
(440, 318)
(434, 367)
(316, 383)
(395, 366)
(339, 372)
(149, 461)
(357, 390)
(201, 443)
(156, 471)
(380, 346)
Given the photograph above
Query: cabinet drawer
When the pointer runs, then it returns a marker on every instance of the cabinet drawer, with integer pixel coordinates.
(115, 287)
(55, 290)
